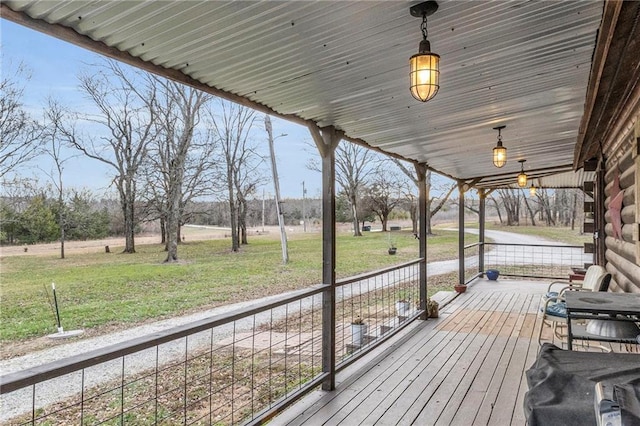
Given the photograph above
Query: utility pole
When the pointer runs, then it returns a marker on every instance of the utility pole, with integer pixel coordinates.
(263, 210)
(276, 184)
(304, 211)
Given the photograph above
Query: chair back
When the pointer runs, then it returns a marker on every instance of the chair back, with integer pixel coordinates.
(604, 283)
(593, 278)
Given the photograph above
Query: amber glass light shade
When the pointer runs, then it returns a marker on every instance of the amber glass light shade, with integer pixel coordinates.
(522, 180)
(532, 190)
(424, 75)
(499, 155)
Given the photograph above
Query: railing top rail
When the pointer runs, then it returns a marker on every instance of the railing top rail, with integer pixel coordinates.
(13, 381)
(479, 243)
(534, 245)
(368, 275)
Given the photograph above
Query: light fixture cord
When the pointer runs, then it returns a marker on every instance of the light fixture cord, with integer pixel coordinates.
(423, 26)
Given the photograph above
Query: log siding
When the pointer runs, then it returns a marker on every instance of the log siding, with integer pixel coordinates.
(623, 254)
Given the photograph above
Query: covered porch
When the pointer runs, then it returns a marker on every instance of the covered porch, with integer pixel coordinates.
(465, 368)
(566, 85)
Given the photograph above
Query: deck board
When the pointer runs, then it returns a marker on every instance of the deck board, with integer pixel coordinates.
(467, 367)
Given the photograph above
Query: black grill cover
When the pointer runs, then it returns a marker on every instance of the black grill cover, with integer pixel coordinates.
(562, 386)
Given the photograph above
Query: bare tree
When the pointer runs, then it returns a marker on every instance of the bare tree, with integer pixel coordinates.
(353, 168)
(384, 191)
(530, 210)
(354, 165)
(124, 101)
(511, 202)
(54, 117)
(20, 135)
(178, 110)
(434, 204)
(545, 209)
(231, 125)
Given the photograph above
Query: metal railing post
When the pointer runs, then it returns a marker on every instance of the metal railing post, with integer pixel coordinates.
(421, 171)
(481, 231)
(461, 263)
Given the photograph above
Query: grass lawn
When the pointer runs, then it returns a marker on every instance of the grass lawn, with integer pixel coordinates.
(99, 289)
(562, 234)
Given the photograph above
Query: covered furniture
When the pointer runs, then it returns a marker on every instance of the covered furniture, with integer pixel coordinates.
(562, 386)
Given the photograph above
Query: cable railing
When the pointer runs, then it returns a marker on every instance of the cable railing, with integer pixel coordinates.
(239, 367)
(545, 261)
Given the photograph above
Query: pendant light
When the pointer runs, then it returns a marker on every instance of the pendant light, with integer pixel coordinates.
(424, 72)
(499, 152)
(532, 190)
(522, 177)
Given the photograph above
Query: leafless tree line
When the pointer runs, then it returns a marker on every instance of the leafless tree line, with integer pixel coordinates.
(169, 145)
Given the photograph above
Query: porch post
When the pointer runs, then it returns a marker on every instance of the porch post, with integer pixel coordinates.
(481, 218)
(327, 140)
(421, 171)
(599, 208)
(461, 188)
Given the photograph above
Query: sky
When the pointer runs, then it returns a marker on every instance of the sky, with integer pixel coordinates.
(54, 66)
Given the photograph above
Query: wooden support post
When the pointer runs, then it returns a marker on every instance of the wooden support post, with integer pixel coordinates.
(461, 189)
(599, 221)
(421, 171)
(327, 140)
(481, 218)
(636, 226)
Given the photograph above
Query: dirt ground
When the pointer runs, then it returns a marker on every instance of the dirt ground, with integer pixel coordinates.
(189, 232)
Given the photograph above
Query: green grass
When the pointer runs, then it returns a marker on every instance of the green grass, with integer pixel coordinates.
(560, 234)
(98, 289)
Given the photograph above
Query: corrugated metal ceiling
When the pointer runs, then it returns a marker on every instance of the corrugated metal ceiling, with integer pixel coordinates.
(522, 64)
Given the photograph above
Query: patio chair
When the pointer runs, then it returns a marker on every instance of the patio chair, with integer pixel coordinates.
(591, 279)
(554, 310)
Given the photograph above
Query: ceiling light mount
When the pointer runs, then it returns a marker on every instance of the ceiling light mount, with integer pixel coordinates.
(499, 152)
(426, 8)
(424, 73)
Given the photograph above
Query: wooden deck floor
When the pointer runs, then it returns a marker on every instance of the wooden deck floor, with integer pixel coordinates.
(465, 368)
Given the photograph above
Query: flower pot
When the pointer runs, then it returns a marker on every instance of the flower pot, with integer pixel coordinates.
(358, 331)
(392, 250)
(492, 274)
(403, 308)
(460, 288)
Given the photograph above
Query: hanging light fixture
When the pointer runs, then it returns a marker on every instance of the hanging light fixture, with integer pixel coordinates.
(522, 177)
(532, 190)
(499, 152)
(424, 74)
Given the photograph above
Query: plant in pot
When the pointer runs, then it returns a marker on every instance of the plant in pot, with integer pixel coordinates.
(432, 308)
(392, 244)
(358, 331)
(460, 288)
(492, 274)
(403, 304)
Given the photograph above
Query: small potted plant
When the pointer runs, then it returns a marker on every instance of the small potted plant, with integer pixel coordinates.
(403, 304)
(358, 331)
(460, 288)
(392, 244)
(492, 274)
(432, 308)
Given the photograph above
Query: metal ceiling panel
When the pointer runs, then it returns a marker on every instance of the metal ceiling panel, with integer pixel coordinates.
(521, 64)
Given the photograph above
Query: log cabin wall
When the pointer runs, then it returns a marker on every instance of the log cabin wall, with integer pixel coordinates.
(622, 228)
